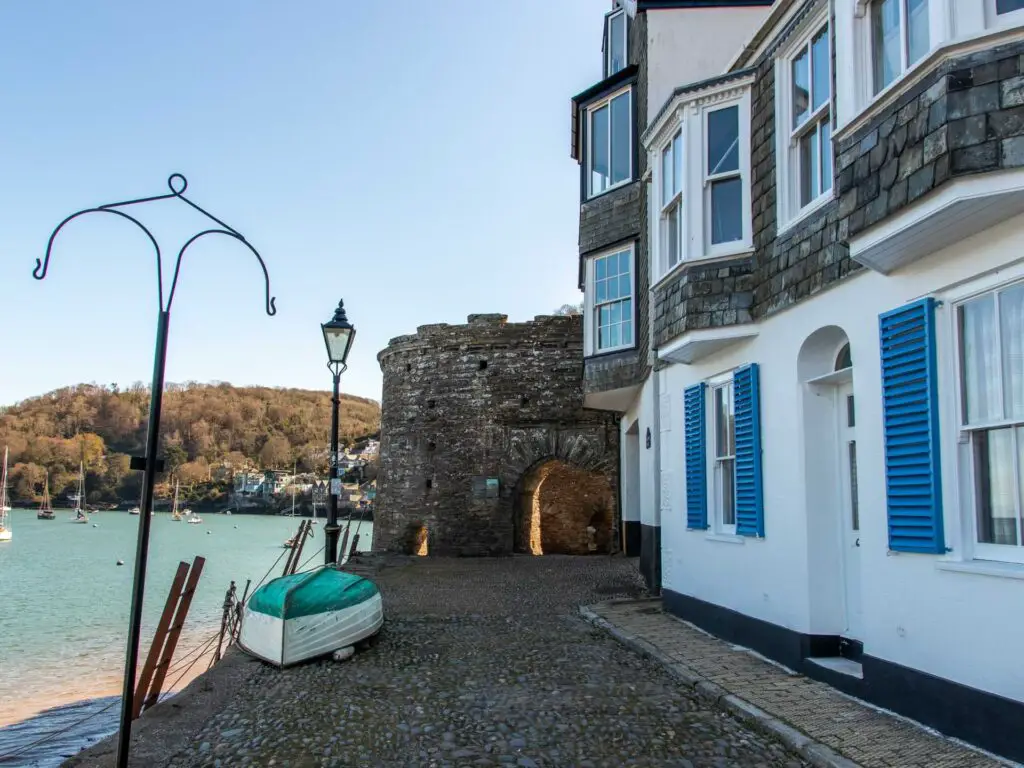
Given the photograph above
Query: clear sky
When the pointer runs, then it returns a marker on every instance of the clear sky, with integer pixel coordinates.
(411, 157)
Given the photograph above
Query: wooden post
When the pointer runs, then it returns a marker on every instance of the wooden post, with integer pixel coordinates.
(158, 639)
(304, 531)
(229, 600)
(175, 632)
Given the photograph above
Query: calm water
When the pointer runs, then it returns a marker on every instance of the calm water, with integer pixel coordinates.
(64, 610)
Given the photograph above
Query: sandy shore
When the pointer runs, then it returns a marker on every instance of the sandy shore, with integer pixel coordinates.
(15, 710)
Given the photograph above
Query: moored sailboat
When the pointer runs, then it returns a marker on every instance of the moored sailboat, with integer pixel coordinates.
(175, 514)
(79, 497)
(6, 534)
(46, 508)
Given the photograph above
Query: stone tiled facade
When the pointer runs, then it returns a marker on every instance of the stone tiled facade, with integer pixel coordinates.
(617, 217)
(465, 403)
(785, 267)
(966, 116)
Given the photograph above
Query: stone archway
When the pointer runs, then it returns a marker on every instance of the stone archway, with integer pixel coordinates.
(562, 509)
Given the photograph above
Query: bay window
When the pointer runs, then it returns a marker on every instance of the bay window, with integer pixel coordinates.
(672, 202)
(609, 301)
(899, 37)
(699, 155)
(804, 96)
(723, 178)
(609, 143)
(991, 349)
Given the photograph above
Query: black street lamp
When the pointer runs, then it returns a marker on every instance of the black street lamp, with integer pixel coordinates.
(150, 464)
(338, 336)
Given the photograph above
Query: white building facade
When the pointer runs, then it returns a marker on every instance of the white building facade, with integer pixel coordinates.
(647, 46)
(837, 301)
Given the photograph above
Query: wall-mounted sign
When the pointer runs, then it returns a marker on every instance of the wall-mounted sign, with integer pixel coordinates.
(485, 487)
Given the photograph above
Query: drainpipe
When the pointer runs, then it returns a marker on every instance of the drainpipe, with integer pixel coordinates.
(654, 581)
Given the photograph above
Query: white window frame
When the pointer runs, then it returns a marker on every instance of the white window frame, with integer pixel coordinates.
(688, 116)
(790, 211)
(589, 111)
(715, 462)
(905, 64)
(590, 326)
(608, 41)
(966, 472)
(994, 19)
(676, 200)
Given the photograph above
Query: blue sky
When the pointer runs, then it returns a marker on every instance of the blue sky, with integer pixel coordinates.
(410, 157)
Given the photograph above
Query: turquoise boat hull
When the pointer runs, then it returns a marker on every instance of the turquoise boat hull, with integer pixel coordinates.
(306, 615)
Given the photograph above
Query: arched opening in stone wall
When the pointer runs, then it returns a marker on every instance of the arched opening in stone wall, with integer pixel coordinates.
(560, 509)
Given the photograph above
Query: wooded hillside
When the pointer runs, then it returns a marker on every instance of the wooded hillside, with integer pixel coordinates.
(203, 426)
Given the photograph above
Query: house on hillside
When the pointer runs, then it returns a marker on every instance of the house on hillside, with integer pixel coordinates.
(834, 435)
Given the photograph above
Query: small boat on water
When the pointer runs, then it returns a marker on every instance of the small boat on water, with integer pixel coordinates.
(6, 534)
(195, 520)
(175, 514)
(79, 498)
(306, 615)
(134, 511)
(46, 508)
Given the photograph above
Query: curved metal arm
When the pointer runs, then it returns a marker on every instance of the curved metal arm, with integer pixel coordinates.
(42, 265)
(270, 300)
(177, 183)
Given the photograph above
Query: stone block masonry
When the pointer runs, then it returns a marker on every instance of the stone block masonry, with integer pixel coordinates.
(964, 117)
(468, 412)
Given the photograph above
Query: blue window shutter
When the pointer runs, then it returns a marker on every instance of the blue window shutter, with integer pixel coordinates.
(749, 504)
(910, 420)
(696, 457)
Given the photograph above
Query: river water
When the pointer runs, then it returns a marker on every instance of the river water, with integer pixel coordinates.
(64, 613)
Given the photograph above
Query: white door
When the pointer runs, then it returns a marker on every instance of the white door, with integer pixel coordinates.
(849, 510)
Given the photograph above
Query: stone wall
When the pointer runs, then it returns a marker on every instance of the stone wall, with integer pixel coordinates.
(465, 403)
(964, 117)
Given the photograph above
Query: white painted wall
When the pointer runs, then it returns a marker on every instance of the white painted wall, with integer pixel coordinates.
(691, 44)
(961, 626)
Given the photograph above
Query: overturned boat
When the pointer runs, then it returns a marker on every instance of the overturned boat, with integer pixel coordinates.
(305, 615)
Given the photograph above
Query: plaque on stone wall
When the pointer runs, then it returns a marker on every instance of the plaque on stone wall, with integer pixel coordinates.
(485, 487)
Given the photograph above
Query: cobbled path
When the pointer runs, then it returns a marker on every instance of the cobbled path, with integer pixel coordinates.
(482, 663)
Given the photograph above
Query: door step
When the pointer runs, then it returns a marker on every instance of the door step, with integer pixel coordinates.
(839, 664)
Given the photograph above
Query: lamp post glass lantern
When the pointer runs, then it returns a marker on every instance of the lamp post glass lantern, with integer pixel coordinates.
(338, 337)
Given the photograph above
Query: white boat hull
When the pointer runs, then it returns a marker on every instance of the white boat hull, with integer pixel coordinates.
(6, 535)
(285, 642)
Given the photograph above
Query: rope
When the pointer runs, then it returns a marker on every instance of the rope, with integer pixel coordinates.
(270, 569)
(301, 567)
(186, 670)
(201, 648)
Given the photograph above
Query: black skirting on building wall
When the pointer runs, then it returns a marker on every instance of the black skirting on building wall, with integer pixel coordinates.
(984, 719)
(650, 557)
(631, 531)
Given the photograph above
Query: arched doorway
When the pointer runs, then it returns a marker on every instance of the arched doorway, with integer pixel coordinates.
(825, 365)
(561, 509)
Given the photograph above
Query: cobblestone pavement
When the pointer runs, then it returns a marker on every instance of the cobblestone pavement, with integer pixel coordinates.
(861, 733)
(482, 662)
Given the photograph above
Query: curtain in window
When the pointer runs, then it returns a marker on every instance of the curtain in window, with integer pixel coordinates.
(1011, 319)
(981, 360)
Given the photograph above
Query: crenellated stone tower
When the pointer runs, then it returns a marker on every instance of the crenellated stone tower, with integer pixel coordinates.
(485, 446)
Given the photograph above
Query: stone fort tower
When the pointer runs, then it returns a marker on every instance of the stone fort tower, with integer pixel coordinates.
(485, 446)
